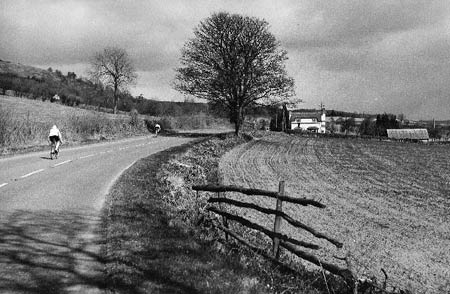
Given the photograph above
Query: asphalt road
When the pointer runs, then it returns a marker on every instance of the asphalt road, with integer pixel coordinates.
(50, 231)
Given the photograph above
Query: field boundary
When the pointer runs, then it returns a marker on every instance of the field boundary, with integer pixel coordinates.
(278, 238)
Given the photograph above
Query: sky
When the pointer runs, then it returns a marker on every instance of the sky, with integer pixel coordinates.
(366, 56)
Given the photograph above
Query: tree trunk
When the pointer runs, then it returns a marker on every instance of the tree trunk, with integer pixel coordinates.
(237, 126)
(285, 118)
(116, 97)
(238, 122)
(115, 100)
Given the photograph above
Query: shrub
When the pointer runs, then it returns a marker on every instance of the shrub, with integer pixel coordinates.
(134, 117)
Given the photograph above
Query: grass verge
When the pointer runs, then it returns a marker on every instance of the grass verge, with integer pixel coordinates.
(154, 243)
(148, 250)
(24, 125)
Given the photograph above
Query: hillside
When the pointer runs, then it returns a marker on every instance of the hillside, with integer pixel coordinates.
(24, 124)
(24, 71)
(34, 83)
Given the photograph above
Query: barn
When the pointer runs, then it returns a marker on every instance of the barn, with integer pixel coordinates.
(415, 135)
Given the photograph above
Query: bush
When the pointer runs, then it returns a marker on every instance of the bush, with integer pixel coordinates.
(134, 117)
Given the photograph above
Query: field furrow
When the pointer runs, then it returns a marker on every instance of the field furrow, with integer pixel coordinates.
(388, 202)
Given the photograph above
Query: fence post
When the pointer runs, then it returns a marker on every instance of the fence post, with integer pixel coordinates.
(276, 228)
(224, 219)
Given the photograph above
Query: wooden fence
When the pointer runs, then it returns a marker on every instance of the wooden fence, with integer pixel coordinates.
(278, 238)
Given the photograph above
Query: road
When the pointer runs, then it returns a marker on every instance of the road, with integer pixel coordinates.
(50, 210)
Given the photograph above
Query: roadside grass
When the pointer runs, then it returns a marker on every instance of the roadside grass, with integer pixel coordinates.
(24, 124)
(194, 122)
(149, 249)
(200, 165)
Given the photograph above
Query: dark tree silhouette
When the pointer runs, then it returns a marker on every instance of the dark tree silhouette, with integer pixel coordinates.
(113, 67)
(235, 61)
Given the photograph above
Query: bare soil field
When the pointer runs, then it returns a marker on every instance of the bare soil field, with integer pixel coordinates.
(387, 202)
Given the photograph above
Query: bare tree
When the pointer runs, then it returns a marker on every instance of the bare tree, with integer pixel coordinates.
(114, 68)
(235, 61)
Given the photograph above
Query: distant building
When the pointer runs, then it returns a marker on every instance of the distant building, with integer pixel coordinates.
(415, 135)
(313, 121)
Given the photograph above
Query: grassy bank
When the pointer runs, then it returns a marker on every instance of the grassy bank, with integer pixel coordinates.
(200, 165)
(149, 249)
(24, 124)
(159, 239)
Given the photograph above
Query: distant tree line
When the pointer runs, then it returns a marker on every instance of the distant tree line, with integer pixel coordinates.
(378, 127)
(347, 114)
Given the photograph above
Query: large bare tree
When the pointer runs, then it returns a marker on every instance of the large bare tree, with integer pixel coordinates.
(114, 68)
(235, 61)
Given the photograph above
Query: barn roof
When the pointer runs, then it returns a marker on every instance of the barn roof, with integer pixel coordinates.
(412, 134)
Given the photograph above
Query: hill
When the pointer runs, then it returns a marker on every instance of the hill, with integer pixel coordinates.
(34, 83)
(24, 124)
(24, 71)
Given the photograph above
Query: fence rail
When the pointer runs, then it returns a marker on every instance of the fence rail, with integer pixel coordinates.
(278, 238)
(258, 192)
(280, 213)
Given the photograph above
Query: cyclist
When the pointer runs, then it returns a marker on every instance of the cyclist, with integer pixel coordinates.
(157, 129)
(55, 137)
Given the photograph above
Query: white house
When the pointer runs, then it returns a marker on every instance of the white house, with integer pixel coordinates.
(308, 121)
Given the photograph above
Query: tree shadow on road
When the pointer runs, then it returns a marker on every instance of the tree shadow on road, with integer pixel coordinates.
(50, 252)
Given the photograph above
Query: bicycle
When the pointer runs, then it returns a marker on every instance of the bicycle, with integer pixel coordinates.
(53, 152)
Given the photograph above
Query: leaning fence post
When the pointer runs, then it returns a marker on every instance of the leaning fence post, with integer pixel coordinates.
(276, 228)
(224, 219)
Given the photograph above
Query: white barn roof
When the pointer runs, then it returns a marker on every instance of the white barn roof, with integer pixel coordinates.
(411, 134)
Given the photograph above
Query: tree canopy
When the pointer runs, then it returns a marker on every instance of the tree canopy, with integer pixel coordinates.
(235, 61)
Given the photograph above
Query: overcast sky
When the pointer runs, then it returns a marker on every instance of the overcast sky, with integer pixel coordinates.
(370, 56)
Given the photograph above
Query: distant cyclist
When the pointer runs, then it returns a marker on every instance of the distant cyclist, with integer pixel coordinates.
(157, 129)
(55, 137)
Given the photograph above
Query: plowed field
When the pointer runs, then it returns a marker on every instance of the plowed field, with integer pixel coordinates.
(388, 202)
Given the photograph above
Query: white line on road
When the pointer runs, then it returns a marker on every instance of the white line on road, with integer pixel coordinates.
(90, 155)
(4, 184)
(32, 173)
(64, 162)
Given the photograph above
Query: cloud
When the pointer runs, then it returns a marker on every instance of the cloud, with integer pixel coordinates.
(354, 23)
(357, 55)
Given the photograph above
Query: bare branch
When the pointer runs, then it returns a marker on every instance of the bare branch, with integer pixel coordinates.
(113, 68)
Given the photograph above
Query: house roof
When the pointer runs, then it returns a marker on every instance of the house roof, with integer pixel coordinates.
(299, 115)
(412, 134)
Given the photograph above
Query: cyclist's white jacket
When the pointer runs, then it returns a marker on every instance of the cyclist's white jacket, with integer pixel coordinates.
(55, 132)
